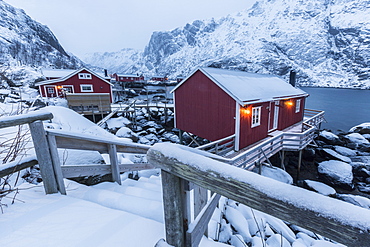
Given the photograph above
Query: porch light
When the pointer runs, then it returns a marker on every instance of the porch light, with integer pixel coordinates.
(246, 110)
(289, 103)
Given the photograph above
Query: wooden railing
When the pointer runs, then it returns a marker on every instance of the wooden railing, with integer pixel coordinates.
(329, 217)
(33, 119)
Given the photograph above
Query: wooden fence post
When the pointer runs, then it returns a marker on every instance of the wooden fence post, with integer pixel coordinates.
(56, 164)
(43, 156)
(173, 209)
(200, 200)
(112, 150)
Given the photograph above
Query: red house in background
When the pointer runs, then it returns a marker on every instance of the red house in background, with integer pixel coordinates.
(216, 103)
(82, 81)
(128, 78)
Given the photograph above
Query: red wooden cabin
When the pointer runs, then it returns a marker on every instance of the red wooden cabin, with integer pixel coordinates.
(159, 78)
(216, 103)
(128, 78)
(82, 81)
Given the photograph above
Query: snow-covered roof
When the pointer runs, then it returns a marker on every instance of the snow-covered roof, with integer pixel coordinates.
(72, 73)
(128, 75)
(56, 73)
(247, 87)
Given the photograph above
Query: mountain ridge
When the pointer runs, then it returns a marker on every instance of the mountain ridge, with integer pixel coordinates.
(326, 43)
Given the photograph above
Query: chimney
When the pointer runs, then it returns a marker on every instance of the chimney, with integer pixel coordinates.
(292, 78)
(105, 73)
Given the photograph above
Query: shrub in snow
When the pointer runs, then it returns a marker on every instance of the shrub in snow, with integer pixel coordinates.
(363, 128)
(336, 173)
(321, 188)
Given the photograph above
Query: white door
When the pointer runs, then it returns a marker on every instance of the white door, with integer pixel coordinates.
(276, 115)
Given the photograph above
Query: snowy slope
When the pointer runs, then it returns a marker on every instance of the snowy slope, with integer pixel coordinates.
(26, 43)
(326, 42)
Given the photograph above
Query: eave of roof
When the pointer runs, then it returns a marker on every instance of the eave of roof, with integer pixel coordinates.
(69, 76)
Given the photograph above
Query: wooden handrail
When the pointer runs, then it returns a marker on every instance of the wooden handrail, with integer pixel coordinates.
(27, 118)
(329, 217)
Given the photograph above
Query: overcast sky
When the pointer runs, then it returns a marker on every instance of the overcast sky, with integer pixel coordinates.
(84, 26)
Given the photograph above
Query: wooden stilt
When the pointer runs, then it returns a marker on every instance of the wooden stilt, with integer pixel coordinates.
(299, 164)
(282, 157)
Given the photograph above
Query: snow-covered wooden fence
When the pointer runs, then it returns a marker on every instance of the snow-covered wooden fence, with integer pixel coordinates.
(329, 217)
(34, 121)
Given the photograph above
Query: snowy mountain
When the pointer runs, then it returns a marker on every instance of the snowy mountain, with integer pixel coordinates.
(326, 42)
(26, 43)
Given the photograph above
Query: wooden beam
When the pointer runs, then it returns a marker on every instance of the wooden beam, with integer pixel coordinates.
(56, 164)
(24, 118)
(173, 209)
(199, 226)
(93, 170)
(114, 163)
(43, 156)
(16, 167)
(255, 191)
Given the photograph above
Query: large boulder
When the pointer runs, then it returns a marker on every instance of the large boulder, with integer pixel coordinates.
(319, 187)
(363, 128)
(329, 138)
(125, 132)
(331, 154)
(336, 173)
(355, 199)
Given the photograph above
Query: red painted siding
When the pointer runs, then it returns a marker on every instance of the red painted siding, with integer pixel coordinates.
(99, 86)
(204, 109)
(248, 134)
(287, 113)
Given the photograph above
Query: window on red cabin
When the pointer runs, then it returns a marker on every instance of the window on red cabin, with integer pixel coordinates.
(297, 105)
(256, 116)
(50, 90)
(86, 88)
(84, 76)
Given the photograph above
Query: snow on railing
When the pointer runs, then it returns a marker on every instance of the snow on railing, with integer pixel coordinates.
(329, 217)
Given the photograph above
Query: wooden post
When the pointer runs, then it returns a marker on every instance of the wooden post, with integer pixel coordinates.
(173, 209)
(43, 156)
(112, 150)
(200, 200)
(299, 164)
(282, 159)
(56, 164)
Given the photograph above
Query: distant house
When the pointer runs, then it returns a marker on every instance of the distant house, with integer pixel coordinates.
(85, 90)
(159, 78)
(128, 77)
(216, 103)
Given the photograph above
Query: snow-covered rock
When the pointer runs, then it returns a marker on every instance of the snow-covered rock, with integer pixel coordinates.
(356, 138)
(336, 173)
(355, 199)
(276, 173)
(125, 132)
(334, 155)
(329, 137)
(345, 151)
(320, 187)
(363, 128)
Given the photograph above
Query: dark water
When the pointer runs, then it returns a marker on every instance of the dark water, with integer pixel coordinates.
(344, 108)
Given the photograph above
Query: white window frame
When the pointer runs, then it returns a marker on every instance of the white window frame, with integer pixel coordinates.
(256, 116)
(50, 88)
(84, 76)
(86, 91)
(297, 105)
